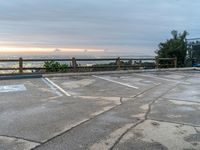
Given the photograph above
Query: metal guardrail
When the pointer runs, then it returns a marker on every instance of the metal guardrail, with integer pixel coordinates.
(119, 63)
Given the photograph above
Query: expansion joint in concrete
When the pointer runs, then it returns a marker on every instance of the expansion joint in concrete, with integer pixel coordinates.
(20, 138)
(135, 125)
(146, 115)
(195, 128)
(180, 123)
(187, 101)
(83, 122)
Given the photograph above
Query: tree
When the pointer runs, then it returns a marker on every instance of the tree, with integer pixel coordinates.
(174, 47)
(194, 52)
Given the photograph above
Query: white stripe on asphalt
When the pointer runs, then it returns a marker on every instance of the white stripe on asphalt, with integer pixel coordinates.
(170, 80)
(52, 87)
(124, 84)
(58, 87)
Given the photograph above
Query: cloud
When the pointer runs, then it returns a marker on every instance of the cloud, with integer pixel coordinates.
(107, 24)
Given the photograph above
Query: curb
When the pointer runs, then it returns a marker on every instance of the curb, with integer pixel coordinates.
(26, 76)
(23, 76)
(116, 72)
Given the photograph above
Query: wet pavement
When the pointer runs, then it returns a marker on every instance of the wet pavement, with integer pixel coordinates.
(136, 111)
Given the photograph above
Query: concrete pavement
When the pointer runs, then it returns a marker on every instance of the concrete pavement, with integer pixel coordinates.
(149, 110)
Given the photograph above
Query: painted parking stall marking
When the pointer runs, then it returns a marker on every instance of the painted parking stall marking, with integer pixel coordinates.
(58, 87)
(164, 79)
(117, 82)
(52, 87)
(12, 88)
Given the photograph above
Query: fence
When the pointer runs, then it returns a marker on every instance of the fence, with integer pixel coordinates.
(117, 64)
(166, 62)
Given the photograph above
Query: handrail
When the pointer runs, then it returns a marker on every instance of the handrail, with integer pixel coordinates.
(74, 65)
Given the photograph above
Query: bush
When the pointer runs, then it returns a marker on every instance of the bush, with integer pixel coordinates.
(63, 67)
(53, 66)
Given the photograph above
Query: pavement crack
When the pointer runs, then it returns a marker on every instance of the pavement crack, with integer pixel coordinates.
(121, 102)
(188, 101)
(146, 115)
(196, 130)
(83, 122)
(89, 119)
(20, 138)
(180, 123)
(136, 124)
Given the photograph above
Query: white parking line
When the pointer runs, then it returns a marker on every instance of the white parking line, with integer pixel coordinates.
(124, 84)
(186, 74)
(52, 87)
(170, 80)
(58, 87)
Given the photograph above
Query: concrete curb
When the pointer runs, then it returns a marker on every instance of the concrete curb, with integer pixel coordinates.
(23, 76)
(195, 68)
(116, 72)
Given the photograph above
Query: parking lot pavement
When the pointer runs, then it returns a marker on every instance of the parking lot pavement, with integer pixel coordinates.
(152, 110)
(155, 135)
(105, 85)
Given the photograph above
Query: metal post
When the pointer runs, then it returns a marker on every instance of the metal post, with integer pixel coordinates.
(20, 65)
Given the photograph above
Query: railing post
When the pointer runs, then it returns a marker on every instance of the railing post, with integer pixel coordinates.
(74, 64)
(140, 63)
(20, 65)
(175, 62)
(157, 62)
(118, 63)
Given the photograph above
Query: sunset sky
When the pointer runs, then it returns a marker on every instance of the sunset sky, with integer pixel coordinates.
(112, 25)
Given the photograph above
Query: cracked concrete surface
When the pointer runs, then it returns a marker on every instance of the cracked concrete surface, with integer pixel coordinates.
(160, 135)
(162, 112)
(13, 143)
